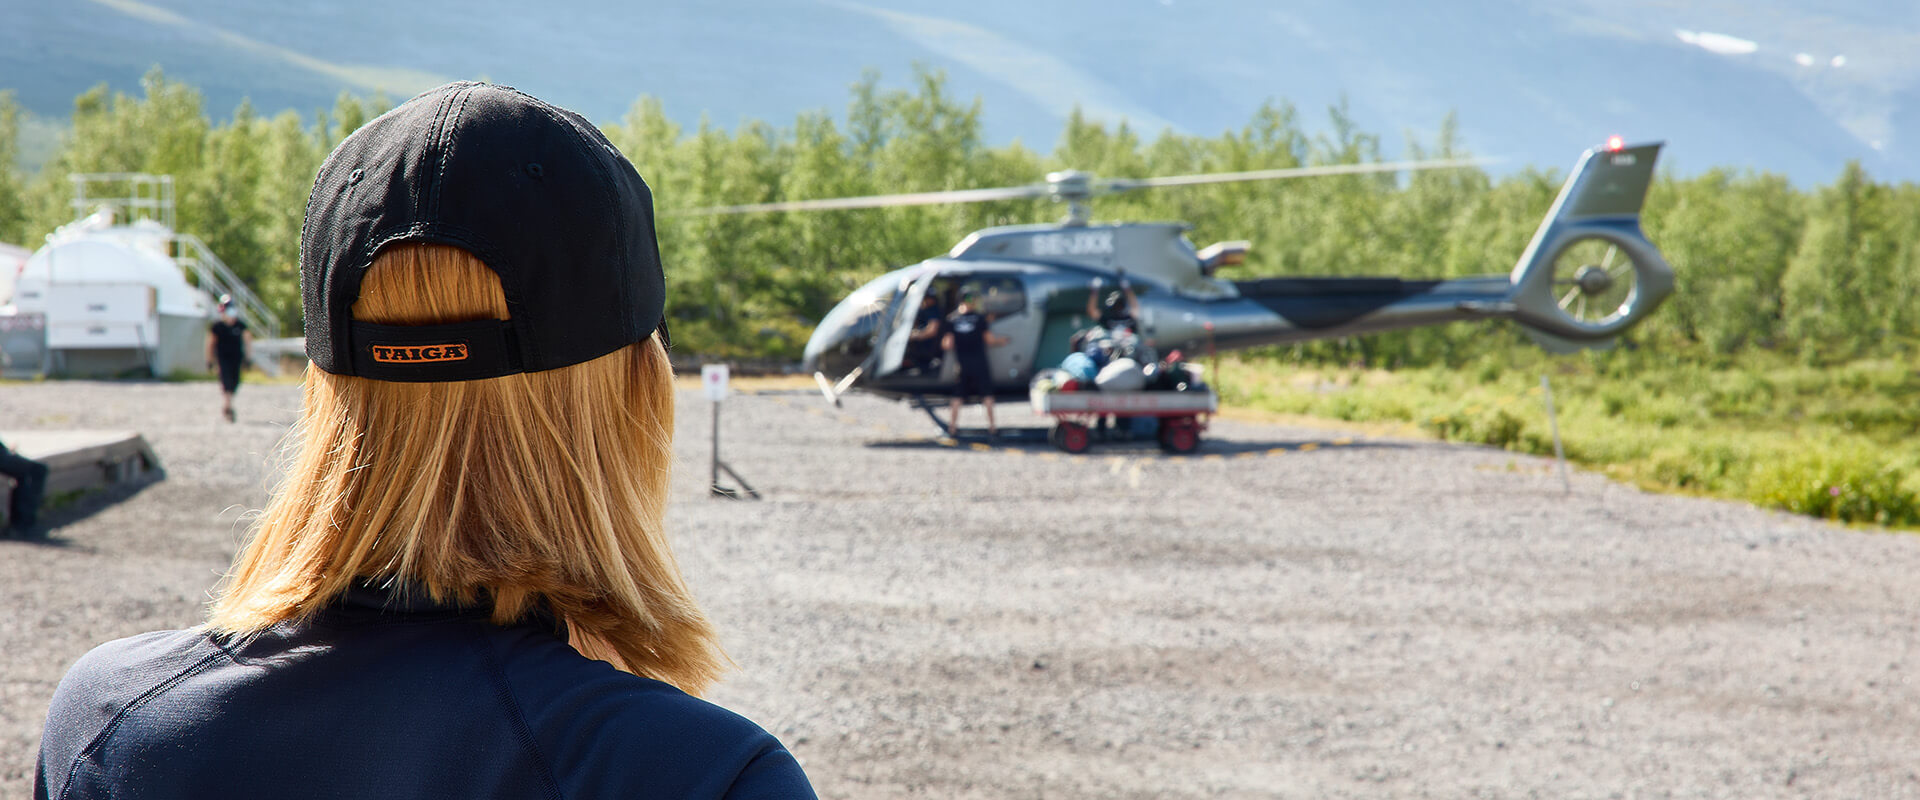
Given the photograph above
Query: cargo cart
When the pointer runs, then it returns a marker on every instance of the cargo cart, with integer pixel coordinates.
(1183, 415)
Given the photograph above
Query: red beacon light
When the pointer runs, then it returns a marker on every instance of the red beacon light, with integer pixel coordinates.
(1615, 143)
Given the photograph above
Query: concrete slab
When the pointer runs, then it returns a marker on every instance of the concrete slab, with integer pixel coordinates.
(86, 460)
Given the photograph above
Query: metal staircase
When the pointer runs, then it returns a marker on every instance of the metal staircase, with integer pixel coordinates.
(212, 276)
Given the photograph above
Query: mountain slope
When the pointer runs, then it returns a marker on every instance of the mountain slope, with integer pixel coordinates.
(1723, 81)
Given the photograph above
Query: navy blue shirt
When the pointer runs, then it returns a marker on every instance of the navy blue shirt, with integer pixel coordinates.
(229, 342)
(931, 345)
(373, 700)
(928, 314)
(969, 338)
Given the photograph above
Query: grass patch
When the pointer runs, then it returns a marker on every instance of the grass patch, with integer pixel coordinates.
(1841, 442)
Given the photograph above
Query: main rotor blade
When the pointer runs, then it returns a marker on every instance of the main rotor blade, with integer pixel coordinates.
(1124, 184)
(873, 201)
(1044, 190)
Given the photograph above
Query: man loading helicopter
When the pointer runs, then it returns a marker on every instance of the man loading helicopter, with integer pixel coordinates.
(1119, 307)
(1113, 313)
(968, 339)
(924, 343)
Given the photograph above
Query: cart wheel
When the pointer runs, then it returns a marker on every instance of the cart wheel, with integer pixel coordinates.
(1072, 436)
(1179, 436)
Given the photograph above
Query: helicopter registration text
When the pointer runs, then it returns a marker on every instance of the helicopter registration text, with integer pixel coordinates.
(1077, 243)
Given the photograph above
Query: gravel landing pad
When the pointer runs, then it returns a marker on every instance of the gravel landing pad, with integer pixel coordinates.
(1292, 612)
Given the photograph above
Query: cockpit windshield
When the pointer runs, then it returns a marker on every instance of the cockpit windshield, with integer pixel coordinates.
(856, 315)
(844, 336)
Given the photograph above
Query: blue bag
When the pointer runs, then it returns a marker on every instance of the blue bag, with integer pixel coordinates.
(1081, 368)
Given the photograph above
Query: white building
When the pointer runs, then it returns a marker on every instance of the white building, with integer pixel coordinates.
(106, 297)
(113, 301)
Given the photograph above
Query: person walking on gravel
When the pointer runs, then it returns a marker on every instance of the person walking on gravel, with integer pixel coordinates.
(29, 486)
(228, 342)
(463, 587)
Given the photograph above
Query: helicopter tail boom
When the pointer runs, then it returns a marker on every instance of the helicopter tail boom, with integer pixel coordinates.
(1588, 275)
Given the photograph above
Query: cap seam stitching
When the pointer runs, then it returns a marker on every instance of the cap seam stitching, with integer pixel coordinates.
(432, 151)
(446, 153)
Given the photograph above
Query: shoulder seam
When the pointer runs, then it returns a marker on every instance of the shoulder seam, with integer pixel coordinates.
(93, 747)
(512, 705)
(763, 752)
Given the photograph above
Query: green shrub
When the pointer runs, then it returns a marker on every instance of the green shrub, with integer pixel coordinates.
(1479, 425)
(1835, 442)
(1614, 400)
(1875, 415)
(1850, 487)
(1668, 411)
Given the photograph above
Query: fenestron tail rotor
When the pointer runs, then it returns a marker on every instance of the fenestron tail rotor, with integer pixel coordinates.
(1593, 282)
(1075, 188)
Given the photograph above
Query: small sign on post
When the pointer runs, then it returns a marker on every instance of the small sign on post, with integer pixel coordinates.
(713, 378)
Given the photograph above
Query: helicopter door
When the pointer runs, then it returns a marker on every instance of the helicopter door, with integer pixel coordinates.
(1003, 298)
(891, 355)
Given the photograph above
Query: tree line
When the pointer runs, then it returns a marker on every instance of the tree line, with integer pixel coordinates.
(1830, 273)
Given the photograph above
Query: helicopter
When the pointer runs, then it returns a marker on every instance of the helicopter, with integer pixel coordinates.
(1588, 274)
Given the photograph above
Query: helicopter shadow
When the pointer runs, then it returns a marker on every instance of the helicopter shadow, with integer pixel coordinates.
(1142, 447)
(1212, 449)
(1238, 447)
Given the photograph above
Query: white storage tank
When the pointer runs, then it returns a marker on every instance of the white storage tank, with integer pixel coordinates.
(113, 301)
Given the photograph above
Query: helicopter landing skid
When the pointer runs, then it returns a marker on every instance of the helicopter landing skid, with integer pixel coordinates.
(930, 408)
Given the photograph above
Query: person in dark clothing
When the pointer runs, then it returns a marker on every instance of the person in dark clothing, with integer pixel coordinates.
(29, 487)
(929, 328)
(1118, 308)
(968, 337)
(227, 344)
(1117, 311)
(463, 587)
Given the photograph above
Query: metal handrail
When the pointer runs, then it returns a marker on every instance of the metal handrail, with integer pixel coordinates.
(209, 270)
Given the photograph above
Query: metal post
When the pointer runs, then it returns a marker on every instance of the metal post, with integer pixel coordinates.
(716, 387)
(1553, 422)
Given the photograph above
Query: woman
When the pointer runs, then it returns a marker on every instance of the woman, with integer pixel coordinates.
(463, 587)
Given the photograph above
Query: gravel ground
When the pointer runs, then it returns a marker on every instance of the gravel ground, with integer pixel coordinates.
(1302, 616)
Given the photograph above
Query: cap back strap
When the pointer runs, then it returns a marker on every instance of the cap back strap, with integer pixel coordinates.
(459, 351)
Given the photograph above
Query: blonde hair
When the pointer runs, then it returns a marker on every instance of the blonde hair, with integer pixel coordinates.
(537, 487)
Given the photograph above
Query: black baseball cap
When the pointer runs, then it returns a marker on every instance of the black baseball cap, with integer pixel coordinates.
(533, 190)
